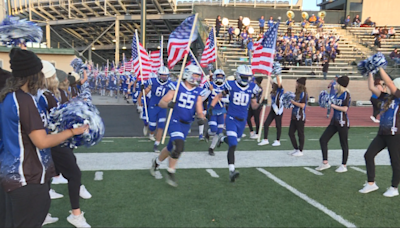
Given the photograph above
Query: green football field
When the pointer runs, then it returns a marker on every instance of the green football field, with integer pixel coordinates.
(261, 197)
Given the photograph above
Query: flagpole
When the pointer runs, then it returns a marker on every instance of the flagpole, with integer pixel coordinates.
(179, 78)
(162, 50)
(208, 79)
(141, 75)
(216, 50)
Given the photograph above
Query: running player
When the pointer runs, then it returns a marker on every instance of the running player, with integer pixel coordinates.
(188, 103)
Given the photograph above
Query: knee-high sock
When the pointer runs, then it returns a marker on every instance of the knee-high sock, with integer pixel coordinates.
(201, 129)
(214, 141)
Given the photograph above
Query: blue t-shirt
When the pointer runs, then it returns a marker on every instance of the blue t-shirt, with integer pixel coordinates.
(340, 118)
(270, 23)
(261, 23)
(240, 97)
(298, 113)
(158, 90)
(186, 100)
(390, 119)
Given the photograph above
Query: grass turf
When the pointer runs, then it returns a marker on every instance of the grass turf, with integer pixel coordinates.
(360, 138)
(135, 199)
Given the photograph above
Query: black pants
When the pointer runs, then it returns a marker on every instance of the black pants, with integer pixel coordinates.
(230, 38)
(289, 32)
(5, 209)
(217, 31)
(297, 125)
(256, 114)
(262, 30)
(375, 107)
(278, 122)
(65, 163)
(30, 205)
(329, 132)
(377, 145)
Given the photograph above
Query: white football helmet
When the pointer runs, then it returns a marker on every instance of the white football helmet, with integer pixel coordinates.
(188, 75)
(163, 74)
(243, 75)
(219, 80)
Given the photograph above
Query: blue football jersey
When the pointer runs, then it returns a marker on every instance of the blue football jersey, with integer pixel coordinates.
(276, 102)
(300, 113)
(211, 95)
(340, 118)
(158, 90)
(390, 119)
(240, 97)
(185, 107)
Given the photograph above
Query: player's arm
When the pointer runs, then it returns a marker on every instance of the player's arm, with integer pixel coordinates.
(84, 77)
(340, 108)
(372, 87)
(167, 99)
(300, 104)
(134, 85)
(388, 82)
(147, 90)
(216, 99)
(199, 108)
(129, 87)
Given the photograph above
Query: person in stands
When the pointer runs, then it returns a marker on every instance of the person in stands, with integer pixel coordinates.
(218, 24)
(261, 23)
(357, 21)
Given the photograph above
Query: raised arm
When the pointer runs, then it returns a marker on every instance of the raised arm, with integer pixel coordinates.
(371, 85)
(166, 99)
(199, 108)
(389, 83)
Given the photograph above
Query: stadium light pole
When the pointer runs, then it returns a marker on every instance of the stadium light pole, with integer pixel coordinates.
(143, 23)
(116, 40)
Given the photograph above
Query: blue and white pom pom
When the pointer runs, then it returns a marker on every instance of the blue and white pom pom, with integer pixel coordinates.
(372, 64)
(78, 65)
(323, 99)
(73, 114)
(14, 31)
(86, 95)
(287, 98)
(276, 68)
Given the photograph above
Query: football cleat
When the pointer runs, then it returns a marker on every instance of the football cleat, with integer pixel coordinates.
(233, 175)
(154, 167)
(211, 152)
(171, 179)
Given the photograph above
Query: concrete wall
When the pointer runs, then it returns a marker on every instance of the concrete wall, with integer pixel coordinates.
(61, 61)
(358, 88)
(230, 12)
(383, 12)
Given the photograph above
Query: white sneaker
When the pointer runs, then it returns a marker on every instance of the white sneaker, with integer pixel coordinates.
(372, 118)
(341, 169)
(49, 219)
(59, 180)
(151, 137)
(254, 136)
(145, 130)
(377, 121)
(263, 142)
(243, 135)
(295, 151)
(298, 154)
(390, 192)
(78, 220)
(323, 166)
(369, 188)
(84, 193)
(55, 195)
(276, 143)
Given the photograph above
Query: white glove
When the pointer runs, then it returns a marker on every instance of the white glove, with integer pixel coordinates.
(140, 109)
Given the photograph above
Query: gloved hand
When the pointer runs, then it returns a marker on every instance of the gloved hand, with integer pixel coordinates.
(140, 109)
(209, 112)
(200, 122)
(142, 87)
(264, 102)
(171, 104)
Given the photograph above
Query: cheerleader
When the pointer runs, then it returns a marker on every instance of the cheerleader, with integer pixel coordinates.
(275, 113)
(256, 112)
(339, 123)
(388, 134)
(63, 157)
(298, 118)
(27, 183)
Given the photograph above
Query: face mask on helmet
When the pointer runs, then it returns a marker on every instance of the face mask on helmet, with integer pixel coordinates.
(219, 79)
(194, 79)
(163, 77)
(243, 80)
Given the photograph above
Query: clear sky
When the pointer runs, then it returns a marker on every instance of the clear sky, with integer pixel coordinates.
(310, 5)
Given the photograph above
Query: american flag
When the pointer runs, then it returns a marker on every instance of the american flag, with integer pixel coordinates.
(145, 59)
(155, 57)
(191, 60)
(128, 65)
(209, 53)
(264, 53)
(178, 43)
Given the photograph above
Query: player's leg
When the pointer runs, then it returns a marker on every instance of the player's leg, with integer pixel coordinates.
(212, 131)
(268, 121)
(153, 116)
(162, 116)
(232, 141)
(292, 130)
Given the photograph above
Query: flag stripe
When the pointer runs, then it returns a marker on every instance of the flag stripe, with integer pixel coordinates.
(209, 54)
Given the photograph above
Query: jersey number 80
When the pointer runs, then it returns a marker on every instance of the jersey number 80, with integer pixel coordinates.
(241, 99)
(186, 101)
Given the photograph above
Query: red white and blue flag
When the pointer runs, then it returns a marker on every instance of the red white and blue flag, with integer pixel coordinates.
(145, 60)
(178, 43)
(156, 62)
(128, 65)
(191, 60)
(209, 53)
(263, 57)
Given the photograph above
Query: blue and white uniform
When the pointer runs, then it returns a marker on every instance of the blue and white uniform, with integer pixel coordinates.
(216, 121)
(341, 119)
(298, 113)
(239, 100)
(183, 114)
(157, 115)
(390, 120)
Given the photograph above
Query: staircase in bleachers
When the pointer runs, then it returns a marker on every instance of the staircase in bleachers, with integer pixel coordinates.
(234, 55)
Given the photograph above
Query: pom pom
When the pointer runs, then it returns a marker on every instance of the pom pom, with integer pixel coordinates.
(372, 64)
(78, 65)
(73, 114)
(276, 68)
(287, 98)
(14, 31)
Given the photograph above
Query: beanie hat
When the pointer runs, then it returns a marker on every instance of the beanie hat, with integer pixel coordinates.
(71, 79)
(302, 81)
(48, 69)
(343, 81)
(396, 83)
(24, 63)
(61, 75)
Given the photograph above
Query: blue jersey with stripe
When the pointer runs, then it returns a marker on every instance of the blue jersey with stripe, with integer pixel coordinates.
(300, 113)
(212, 93)
(186, 99)
(390, 119)
(340, 118)
(240, 97)
(158, 90)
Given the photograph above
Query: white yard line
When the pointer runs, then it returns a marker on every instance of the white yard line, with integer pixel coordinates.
(310, 201)
(212, 173)
(107, 141)
(201, 160)
(314, 171)
(358, 169)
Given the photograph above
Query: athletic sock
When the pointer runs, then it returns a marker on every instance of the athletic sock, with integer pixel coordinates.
(214, 141)
(170, 170)
(201, 129)
(156, 143)
(158, 162)
(231, 167)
